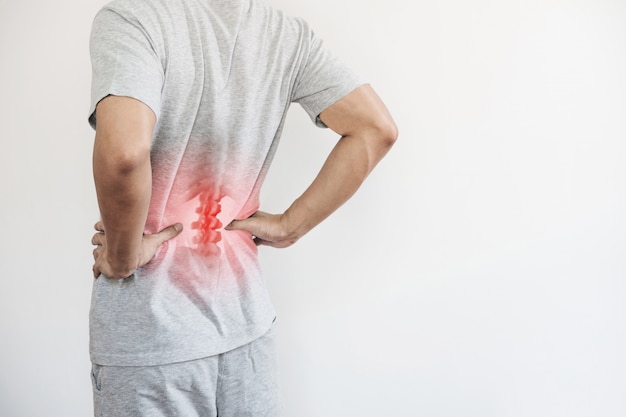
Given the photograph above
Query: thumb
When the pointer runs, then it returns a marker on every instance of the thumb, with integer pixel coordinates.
(238, 225)
(170, 232)
(249, 224)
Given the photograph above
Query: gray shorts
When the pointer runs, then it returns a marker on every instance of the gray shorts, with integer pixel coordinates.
(239, 383)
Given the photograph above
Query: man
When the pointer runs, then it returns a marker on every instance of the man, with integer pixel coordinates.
(189, 98)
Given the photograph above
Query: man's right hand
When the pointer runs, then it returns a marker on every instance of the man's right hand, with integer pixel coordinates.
(267, 229)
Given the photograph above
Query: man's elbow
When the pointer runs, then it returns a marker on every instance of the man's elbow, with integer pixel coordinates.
(386, 132)
(129, 162)
(122, 162)
(390, 133)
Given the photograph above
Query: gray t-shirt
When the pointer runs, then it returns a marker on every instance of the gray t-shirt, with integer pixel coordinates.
(220, 76)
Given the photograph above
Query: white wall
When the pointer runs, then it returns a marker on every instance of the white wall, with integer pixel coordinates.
(479, 272)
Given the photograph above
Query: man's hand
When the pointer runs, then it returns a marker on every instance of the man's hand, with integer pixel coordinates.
(267, 229)
(103, 265)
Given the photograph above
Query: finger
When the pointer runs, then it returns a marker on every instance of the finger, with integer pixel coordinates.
(98, 239)
(246, 225)
(96, 254)
(263, 242)
(99, 226)
(234, 225)
(95, 271)
(169, 232)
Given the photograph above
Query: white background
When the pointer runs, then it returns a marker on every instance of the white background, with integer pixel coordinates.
(480, 271)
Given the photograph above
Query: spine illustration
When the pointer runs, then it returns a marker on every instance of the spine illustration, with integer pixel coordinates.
(207, 224)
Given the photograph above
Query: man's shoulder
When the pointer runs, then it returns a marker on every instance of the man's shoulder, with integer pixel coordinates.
(132, 10)
(123, 5)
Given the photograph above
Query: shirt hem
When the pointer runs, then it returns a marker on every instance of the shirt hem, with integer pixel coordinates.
(161, 358)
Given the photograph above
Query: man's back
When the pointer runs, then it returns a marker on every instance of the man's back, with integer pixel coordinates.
(219, 76)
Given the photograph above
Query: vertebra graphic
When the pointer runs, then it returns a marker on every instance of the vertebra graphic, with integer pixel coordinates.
(206, 226)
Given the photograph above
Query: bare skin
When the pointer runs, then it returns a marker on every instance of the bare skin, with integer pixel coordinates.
(149, 246)
(123, 182)
(123, 178)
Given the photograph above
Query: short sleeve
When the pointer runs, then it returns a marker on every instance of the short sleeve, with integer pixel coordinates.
(124, 62)
(323, 81)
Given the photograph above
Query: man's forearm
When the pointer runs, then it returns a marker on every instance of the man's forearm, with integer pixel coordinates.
(123, 198)
(345, 169)
(368, 131)
(123, 178)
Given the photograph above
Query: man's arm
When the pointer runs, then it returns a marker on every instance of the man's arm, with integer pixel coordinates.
(367, 132)
(123, 179)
